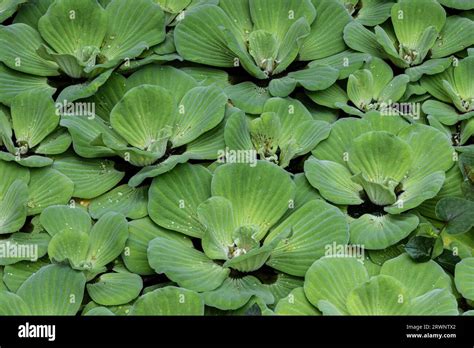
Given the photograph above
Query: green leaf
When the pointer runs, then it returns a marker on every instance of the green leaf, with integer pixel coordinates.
(379, 232)
(282, 87)
(381, 295)
(420, 248)
(395, 90)
(464, 86)
(314, 226)
(416, 190)
(325, 38)
(393, 124)
(70, 247)
(85, 23)
(217, 217)
(2, 283)
(8, 8)
(248, 97)
(329, 281)
(141, 232)
(13, 209)
(304, 193)
(451, 188)
(10, 173)
(332, 97)
(374, 12)
(283, 285)
(295, 303)
(291, 44)
(457, 213)
(333, 181)
(107, 239)
(185, 265)
(259, 195)
(235, 293)
(59, 218)
(382, 159)
(360, 88)
(347, 62)
(361, 39)
(19, 44)
(421, 137)
(444, 113)
(409, 26)
(123, 199)
(435, 302)
(55, 143)
(454, 37)
(30, 12)
(12, 304)
(83, 90)
(337, 145)
(200, 110)
(131, 29)
(237, 133)
(34, 116)
(101, 311)
(62, 290)
(253, 256)
(48, 187)
(464, 278)
(458, 4)
(277, 20)
(29, 161)
(417, 278)
(91, 178)
(169, 301)
(316, 77)
(198, 37)
(263, 47)
(108, 95)
(173, 6)
(158, 169)
(113, 289)
(173, 205)
(16, 274)
(145, 131)
(430, 67)
(84, 131)
(207, 76)
(13, 83)
(166, 77)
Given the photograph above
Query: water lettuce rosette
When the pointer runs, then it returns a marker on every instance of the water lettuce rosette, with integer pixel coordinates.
(284, 130)
(402, 287)
(454, 91)
(372, 88)
(420, 44)
(385, 166)
(234, 213)
(157, 114)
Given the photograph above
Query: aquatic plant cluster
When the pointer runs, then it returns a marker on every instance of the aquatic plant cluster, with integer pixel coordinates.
(236, 157)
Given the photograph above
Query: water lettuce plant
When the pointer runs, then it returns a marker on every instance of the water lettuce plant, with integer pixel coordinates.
(380, 162)
(373, 88)
(236, 157)
(419, 43)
